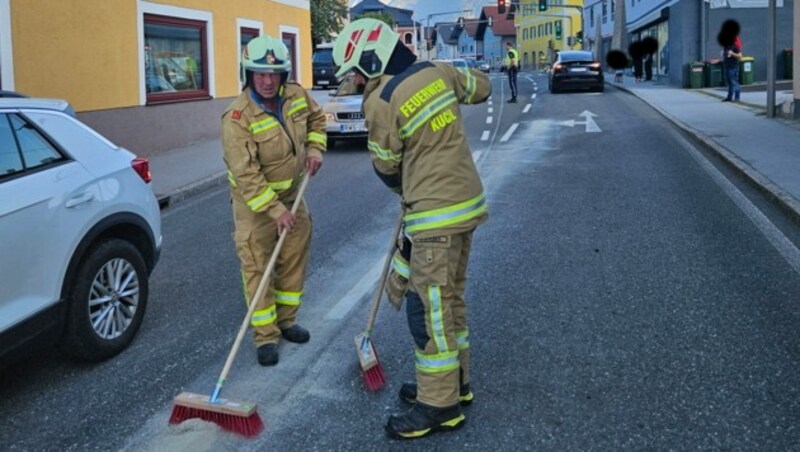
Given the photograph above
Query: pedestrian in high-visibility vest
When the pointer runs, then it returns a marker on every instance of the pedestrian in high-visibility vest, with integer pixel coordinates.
(419, 149)
(512, 68)
(272, 134)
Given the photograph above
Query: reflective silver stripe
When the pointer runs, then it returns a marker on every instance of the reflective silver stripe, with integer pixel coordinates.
(263, 125)
(281, 185)
(471, 86)
(437, 318)
(400, 266)
(316, 137)
(261, 200)
(462, 338)
(231, 179)
(264, 317)
(288, 298)
(297, 105)
(384, 154)
(446, 216)
(439, 362)
(439, 104)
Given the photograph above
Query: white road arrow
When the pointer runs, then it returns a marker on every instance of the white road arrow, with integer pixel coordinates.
(591, 126)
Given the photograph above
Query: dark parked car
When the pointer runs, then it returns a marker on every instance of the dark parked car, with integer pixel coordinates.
(576, 69)
(323, 68)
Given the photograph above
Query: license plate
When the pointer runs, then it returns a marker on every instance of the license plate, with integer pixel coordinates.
(578, 69)
(355, 127)
(323, 82)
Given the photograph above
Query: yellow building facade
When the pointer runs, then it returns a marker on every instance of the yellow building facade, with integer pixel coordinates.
(149, 75)
(542, 33)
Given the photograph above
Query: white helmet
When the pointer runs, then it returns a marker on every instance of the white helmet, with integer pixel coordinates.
(365, 44)
(266, 54)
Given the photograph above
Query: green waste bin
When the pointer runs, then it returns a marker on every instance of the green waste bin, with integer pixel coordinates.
(712, 72)
(788, 61)
(696, 74)
(746, 70)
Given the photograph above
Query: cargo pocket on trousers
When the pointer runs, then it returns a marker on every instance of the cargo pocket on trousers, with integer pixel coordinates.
(429, 262)
(244, 250)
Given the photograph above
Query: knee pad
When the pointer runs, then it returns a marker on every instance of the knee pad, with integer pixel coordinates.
(415, 312)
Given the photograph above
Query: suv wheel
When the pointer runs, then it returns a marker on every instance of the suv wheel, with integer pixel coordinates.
(107, 301)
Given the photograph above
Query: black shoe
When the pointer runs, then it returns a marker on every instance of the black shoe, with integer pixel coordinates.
(422, 420)
(726, 100)
(268, 354)
(513, 100)
(408, 393)
(296, 334)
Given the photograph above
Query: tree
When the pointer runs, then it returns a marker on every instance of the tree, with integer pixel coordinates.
(383, 16)
(326, 19)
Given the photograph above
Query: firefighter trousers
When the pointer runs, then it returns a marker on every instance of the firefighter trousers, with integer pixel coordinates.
(255, 237)
(437, 316)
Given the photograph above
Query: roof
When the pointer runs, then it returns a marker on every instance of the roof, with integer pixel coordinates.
(471, 27)
(402, 17)
(449, 33)
(501, 26)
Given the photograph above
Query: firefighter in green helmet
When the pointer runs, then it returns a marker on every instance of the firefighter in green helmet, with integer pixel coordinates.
(272, 134)
(419, 149)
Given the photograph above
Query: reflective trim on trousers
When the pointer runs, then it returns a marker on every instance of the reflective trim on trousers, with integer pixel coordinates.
(437, 318)
(288, 298)
(437, 362)
(462, 338)
(264, 317)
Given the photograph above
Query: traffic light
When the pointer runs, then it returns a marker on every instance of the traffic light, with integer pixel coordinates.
(501, 6)
(542, 5)
(579, 37)
(570, 41)
(558, 30)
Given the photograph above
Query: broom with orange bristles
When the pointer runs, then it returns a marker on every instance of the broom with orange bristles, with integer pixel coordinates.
(367, 356)
(233, 415)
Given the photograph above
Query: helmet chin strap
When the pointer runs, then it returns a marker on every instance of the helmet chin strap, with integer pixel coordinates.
(401, 59)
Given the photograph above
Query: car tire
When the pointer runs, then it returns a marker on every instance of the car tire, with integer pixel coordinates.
(100, 322)
(331, 143)
(600, 88)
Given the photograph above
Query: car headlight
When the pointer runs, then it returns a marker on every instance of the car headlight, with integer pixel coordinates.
(330, 117)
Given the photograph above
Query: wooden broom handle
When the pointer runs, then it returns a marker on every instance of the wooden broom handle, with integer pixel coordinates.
(262, 285)
(376, 299)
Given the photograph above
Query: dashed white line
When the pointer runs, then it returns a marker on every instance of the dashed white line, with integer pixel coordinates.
(488, 120)
(533, 96)
(485, 135)
(510, 131)
(489, 102)
(491, 110)
(476, 156)
(527, 108)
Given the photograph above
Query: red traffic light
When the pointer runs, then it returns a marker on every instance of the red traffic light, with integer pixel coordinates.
(501, 6)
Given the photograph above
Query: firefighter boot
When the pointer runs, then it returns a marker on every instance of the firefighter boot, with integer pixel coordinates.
(408, 393)
(423, 419)
(268, 354)
(296, 334)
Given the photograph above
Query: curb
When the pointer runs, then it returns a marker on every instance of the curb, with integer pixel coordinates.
(182, 193)
(786, 202)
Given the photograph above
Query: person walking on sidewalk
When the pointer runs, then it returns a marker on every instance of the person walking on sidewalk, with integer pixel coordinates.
(731, 54)
(272, 134)
(419, 149)
(512, 68)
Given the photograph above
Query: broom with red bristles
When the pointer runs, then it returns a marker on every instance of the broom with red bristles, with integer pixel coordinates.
(367, 356)
(233, 415)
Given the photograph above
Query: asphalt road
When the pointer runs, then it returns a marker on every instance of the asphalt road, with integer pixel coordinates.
(621, 297)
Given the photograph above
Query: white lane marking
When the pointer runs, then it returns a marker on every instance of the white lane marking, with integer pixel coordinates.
(510, 131)
(488, 120)
(476, 156)
(491, 110)
(485, 135)
(354, 295)
(533, 96)
(489, 102)
(527, 108)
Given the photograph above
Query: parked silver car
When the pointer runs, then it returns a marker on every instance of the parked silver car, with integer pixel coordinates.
(345, 119)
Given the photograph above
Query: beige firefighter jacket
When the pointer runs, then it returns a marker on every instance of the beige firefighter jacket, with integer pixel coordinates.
(266, 159)
(419, 148)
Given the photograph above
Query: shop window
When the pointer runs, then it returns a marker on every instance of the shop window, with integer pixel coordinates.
(175, 59)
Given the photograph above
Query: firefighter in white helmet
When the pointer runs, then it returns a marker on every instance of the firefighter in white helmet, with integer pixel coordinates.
(419, 149)
(272, 134)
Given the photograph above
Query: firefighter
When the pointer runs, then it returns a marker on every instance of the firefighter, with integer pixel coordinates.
(419, 149)
(272, 134)
(512, 68)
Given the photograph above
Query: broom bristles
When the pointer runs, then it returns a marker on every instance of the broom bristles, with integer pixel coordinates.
(373, 378)
(247, 426)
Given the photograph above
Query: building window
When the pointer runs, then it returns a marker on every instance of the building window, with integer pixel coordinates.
(175, 59)
(613, 6)
(246, 34)
(591, 15)
(407, 39)
(540, 31)
(525, 33)
(290, 40)
(605, 11)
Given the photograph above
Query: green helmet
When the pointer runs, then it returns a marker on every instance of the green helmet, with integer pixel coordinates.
(266, 54)
(365, 44)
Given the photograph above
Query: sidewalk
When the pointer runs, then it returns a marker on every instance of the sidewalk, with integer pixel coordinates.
(766, 151)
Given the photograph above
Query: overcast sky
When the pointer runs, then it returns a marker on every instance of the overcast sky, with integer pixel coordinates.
(422, 8)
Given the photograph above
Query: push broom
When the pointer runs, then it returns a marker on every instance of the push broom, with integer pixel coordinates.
(233, 415)
(370, 366)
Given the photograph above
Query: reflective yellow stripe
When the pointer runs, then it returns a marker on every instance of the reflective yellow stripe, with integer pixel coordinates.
(263, 125)
(436, 317)
(438, 362)
(280, 185)
(446, 216)
(384, 154)
(316, 137)
(400, 266)
(297, 105)
(231, 179)
(288, 298)
(471, 86)
(261, 200)
(462, 337)
(264, 317)
(437, 105)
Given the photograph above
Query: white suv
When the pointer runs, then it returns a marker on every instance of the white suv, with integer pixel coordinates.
(80, 233)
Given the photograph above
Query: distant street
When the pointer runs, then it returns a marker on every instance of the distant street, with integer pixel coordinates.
(621, 297)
